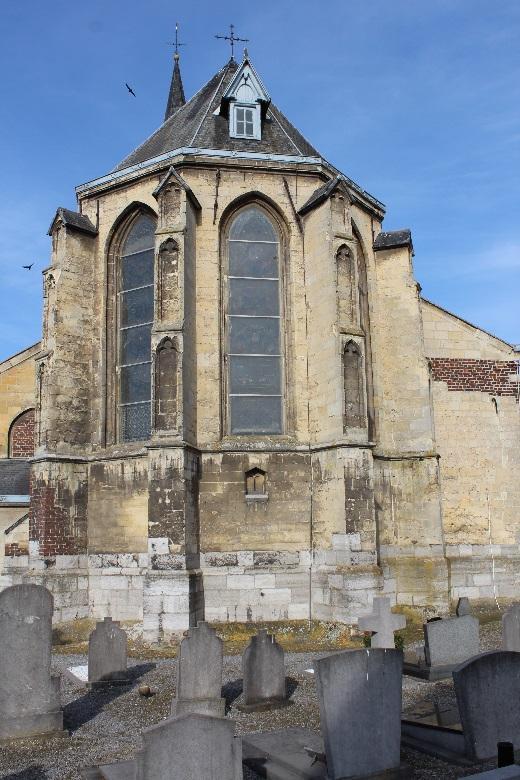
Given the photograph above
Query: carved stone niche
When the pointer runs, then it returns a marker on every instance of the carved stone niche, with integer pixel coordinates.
(346, 286)
(340, 208)
(166, 385)
(354, 386)
(170, 204)
(168, 293)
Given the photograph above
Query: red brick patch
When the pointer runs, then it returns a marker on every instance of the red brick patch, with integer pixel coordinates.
(484, 376)
(21, 436)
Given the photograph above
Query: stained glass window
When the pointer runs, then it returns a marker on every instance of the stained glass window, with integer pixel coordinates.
(136, 279)
(253, 347)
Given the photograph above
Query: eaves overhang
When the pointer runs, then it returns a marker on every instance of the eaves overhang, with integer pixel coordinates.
(190, 154)
(135, 171)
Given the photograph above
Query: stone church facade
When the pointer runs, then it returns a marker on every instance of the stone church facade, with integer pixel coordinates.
(245, 410)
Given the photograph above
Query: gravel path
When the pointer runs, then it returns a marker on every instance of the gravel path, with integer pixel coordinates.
(106, 725)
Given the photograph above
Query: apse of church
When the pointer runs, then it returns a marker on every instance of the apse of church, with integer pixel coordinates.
(234, 409)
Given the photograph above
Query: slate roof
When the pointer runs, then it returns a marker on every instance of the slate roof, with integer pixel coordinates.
(75, 220)
(393, 239)
(194, 125)
(14, 477)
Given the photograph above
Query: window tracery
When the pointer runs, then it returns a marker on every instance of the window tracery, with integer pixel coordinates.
(135, 319)
(253, 352)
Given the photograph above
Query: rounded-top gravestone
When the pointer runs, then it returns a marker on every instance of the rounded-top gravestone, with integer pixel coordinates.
(29, 696)
(107, 653)
(263, 672)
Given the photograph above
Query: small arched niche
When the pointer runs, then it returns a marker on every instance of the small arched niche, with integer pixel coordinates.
(354, 386)
(256, 484)
(345, 285)
(166, 385)
(169, 280)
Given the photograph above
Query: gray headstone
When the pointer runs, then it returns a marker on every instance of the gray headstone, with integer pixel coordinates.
(511, 629)
(463, 607)
(360, 694)
(488, 697)
(107, 652)
(188, 747)
(451, 641)
(383, 622)
(263, 671)
(199, 673)
(191, 747)
(29, 696)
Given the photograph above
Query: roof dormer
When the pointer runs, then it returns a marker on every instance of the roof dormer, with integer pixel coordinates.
(245, 103)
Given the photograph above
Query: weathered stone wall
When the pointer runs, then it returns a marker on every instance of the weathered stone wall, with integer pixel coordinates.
(477, 426)
(17, 391)
(118, 506)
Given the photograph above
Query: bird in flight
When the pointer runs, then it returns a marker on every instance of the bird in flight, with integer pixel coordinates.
(129, 88)
(28, 266)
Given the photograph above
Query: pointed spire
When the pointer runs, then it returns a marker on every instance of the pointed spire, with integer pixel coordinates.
(176, 97)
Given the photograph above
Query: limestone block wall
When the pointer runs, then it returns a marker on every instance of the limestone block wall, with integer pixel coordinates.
(118, 506)
(477, 426)
(17, 391)
(231, 520)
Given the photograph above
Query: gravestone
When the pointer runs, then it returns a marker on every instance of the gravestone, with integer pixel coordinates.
(447, 643)
(107, 654)
(29, 695)
(463, 607)
(264, 673)
(383, 622)
(191, 747)
(199, 673)
(451, 641)
(511, 629)
(488, 696)
(360, 695)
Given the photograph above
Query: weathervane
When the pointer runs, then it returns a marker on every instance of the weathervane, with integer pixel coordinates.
(176, 43)
(232, 38)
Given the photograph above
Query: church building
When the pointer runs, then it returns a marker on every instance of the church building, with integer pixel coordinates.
(244, 409)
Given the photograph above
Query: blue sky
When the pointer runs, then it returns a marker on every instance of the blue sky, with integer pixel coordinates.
(416, 101)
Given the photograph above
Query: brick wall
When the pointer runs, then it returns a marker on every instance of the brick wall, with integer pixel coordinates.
(58, 515)
(485, 376)
(21, 436)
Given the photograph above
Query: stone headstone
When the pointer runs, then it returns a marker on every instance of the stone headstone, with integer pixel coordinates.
(191, 747)
(383, 622)
(488, 696)
(263, 672)
(360, 694)
(511, 629)
(451, 641)
(463, 607)
(107, 653)
(199, 673)
(29, 695)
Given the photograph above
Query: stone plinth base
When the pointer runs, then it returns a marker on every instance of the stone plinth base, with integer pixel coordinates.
(264, 706)
(46, 724)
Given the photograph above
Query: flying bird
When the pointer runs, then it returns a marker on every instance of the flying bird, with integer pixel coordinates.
(129, 88)
(28, 266)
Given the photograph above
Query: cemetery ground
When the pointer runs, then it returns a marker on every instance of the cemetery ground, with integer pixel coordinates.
(105, 725)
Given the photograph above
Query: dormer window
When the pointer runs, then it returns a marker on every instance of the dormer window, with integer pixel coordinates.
(244, 103)
(245, 122)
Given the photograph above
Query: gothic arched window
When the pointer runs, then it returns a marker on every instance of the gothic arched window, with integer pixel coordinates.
(353, 386)
(135, 307)
(253, 351)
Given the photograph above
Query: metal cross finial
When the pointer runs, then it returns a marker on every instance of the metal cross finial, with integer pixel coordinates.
(176, 43)
(232, 38)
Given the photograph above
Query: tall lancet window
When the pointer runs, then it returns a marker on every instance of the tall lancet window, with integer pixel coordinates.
(135, 293)
(253, 339)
